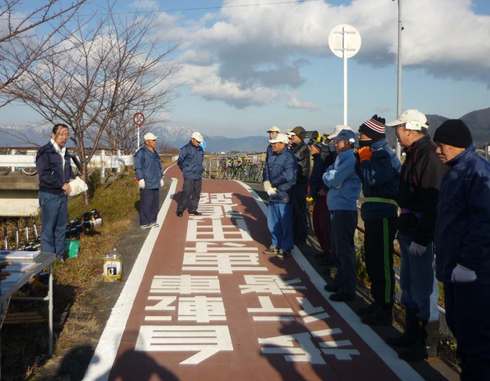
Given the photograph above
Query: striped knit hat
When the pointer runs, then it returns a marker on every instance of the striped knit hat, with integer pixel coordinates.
(373, 128)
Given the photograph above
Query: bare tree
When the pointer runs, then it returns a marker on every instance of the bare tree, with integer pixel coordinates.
(25, 37)
(100, 75)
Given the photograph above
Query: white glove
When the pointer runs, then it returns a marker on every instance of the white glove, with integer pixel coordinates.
(462, 274)
(161, 182)
(417, 249)
(141, 183)
(267, 186)
(272, 191)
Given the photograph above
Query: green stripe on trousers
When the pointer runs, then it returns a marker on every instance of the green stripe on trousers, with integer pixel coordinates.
(386, 256)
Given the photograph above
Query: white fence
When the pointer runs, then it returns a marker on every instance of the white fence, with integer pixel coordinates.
(102, 161)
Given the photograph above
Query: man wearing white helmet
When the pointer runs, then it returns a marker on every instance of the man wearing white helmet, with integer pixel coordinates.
(281, 169)
(272, 132)
(420, 179)
(190, 163)
(149, 173)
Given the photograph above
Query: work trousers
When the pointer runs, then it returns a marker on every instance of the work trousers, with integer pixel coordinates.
(467, 315)
(378, 256)
(149, 204)
(321, 224)
(300, 220)
(191, 193)
(343, 226)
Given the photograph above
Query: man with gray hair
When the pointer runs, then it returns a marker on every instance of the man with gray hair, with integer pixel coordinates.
(190, 161)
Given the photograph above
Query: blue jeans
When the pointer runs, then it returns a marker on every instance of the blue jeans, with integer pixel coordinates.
(54, 217)
(280, 224)
(416, 278)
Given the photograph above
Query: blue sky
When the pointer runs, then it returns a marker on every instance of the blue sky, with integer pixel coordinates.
(245, 68)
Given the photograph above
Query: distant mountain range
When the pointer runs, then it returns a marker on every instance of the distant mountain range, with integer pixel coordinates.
(478, 122)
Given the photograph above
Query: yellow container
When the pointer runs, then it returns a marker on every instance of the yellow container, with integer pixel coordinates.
(112, 267)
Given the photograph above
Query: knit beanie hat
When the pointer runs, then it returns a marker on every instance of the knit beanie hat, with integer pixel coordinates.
(373, 128)
(454, 132)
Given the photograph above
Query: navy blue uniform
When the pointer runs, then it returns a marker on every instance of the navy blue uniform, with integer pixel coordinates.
(190, 163)
(149, 168)
(462, 236)
(281, 170)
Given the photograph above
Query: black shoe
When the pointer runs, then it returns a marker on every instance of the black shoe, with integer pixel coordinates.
(342, 297)
(271, 250)
(408, 337)
(196, 213)
(331, 288)
(180, 214)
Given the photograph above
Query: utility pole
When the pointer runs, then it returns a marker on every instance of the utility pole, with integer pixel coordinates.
(399, 71)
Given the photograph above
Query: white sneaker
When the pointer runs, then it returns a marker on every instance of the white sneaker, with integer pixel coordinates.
(143, 227)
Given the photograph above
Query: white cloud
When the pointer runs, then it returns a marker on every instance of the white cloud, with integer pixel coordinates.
(250, 54)
(296, 103)
(205, 81)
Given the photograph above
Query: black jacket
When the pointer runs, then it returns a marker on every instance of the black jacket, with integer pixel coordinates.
(50, 171)
(420, 181)
(302, 155)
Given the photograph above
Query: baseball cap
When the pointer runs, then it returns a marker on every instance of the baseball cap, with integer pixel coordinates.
(149, 136)
(197, 136)
(280, 138)
(338, 129)
(412, 119)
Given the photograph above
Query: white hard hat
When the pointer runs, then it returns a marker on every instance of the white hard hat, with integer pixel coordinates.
(149, 136)
(412, 119)
(197, 136)
(280, 138)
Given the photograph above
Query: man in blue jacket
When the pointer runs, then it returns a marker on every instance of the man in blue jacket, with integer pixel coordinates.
(149, 173)
(54, 170)
(462, 241)
(344, 188)
(379, 170)
(281, 174)
(190, 161)
(272, 133)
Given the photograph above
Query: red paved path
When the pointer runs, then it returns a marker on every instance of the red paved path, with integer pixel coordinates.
(245, 361)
